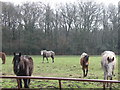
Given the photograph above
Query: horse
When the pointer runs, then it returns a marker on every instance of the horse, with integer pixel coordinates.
(108, 63)
(23, 66)
(84, 63)
(47, 54)
(3, 57)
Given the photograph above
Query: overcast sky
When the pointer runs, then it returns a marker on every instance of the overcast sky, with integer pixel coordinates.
(54, 2)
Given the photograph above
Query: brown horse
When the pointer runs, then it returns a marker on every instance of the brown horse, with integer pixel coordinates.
(3, 57)
(84, 63)
(23, 66)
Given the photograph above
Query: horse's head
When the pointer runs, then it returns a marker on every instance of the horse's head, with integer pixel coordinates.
(16, 61)
(86, 58)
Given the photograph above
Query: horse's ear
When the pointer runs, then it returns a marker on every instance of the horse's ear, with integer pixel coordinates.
(14, 53)
(19, 54)
(113, 59)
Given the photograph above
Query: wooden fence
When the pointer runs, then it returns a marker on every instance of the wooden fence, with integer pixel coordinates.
(59, 79)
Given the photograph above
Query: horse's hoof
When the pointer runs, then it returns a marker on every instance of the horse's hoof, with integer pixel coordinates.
(85, 75)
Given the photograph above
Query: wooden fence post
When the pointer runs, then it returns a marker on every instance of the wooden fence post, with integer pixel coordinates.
(60, 85)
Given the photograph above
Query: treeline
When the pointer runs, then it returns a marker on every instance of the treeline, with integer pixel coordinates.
(66, 29)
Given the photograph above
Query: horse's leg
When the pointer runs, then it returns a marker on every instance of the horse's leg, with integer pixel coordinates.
(83, 71)
(19, 83)
(110, 84)
(47, 59)
(113, 71)
(26, 81)
(43, 60)
(105, 77)
(52, 58)
(3, 61)
(86, 72)
(104, 86)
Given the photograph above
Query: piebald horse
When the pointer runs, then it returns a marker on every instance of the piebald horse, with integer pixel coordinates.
(47, 54)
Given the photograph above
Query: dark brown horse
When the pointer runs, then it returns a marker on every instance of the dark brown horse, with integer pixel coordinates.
(3, 57)
(84, 63)
(23, 66)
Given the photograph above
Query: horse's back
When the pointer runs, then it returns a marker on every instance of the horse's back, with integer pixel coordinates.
(28, 60)
(107, 54)
(49, 53)
(104, 60)
(28, 63)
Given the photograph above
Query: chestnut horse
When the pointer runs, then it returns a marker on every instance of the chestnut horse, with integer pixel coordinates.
(3, 57)
(84, 63)
(23, 66)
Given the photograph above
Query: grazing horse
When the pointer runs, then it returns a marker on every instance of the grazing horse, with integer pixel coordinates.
(108, 64)
(3, 57)
(84, 63)
(47, 54)
(23, 66)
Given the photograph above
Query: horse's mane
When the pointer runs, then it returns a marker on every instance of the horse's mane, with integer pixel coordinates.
(84, 54)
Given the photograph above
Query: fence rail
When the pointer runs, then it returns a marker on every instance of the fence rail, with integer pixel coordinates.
(59, 79)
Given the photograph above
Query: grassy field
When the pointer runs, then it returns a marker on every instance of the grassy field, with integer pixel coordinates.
(64, 66)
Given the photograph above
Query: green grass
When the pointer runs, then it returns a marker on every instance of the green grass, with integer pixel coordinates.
(64, 66)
